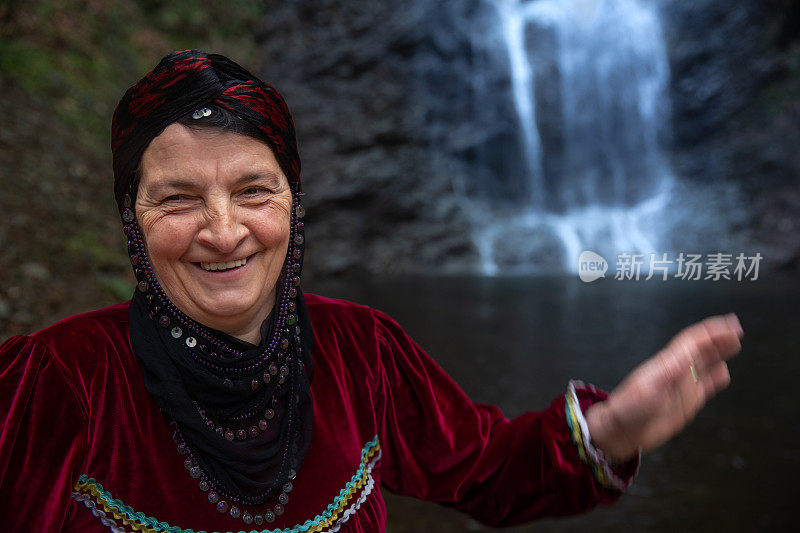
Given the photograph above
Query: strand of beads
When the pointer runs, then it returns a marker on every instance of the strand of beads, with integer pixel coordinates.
(251, 430)
(225, 503)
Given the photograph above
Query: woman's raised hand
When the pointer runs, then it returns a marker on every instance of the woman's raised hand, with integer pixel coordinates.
(663, 394)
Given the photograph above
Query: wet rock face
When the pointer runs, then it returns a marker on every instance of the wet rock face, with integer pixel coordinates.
(735, 112)
(404, 109)
(383, 98)
(714, 47)
(723, 57)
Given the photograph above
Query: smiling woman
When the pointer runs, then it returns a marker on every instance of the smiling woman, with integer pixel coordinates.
(220, 394)
(214, 208)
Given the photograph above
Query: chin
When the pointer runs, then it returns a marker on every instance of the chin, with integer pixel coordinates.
(233, 309)
(224, 311)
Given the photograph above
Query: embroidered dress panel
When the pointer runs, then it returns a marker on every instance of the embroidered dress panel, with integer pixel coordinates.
(103, 505)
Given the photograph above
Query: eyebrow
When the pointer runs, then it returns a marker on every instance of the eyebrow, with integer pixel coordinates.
(184, 184)
(271, 176)
(170, 184)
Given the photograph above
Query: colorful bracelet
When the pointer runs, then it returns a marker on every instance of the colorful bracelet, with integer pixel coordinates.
(611, 476)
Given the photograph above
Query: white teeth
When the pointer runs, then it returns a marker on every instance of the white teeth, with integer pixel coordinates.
(223, 265)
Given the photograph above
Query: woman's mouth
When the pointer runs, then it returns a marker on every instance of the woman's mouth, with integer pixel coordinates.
(222, 266)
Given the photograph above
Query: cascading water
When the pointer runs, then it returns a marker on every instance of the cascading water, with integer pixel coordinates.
(596, 177)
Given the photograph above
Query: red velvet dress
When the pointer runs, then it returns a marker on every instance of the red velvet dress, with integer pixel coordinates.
(85, 448)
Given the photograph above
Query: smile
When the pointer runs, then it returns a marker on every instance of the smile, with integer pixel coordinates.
(224, 265)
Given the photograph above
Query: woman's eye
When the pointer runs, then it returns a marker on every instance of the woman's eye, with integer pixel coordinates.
(174, 198)
(251, 191)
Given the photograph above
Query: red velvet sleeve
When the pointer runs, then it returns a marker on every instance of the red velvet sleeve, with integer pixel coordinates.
(42, 441)
(440, 446)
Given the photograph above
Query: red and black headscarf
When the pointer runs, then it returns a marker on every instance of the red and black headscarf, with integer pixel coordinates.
(241, 414)
(185, 81)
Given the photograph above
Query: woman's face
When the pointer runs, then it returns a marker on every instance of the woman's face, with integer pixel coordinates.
(214, 208)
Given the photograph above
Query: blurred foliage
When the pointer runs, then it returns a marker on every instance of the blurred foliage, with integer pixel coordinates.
(81, 55)
(86, 246)
(118, 287)
(64, 65)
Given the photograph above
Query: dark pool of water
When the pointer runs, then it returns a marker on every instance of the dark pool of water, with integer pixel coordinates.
(516, 342)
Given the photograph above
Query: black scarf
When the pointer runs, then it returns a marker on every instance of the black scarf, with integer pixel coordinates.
(251, 470)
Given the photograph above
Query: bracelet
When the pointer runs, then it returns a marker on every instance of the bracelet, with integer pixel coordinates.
(602, 468)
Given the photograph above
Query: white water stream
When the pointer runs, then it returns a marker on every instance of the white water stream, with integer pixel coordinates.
(613, 183)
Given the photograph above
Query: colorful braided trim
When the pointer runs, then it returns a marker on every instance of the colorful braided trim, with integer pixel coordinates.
(120, 518)
(590, 455)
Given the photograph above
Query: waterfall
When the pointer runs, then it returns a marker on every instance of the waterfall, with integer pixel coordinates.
(589, 85)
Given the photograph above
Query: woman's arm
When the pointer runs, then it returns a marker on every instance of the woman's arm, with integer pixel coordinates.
(440, 446)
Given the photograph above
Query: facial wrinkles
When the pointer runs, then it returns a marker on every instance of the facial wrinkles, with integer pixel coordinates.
(217, 219)
(211, 197)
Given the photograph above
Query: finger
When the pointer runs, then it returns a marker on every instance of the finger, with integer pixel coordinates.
(688, 355)
(701, 346)
(694, 347)
(725, 333)
(715, 379)
(692, 393)
(710, 340)
(733, 320)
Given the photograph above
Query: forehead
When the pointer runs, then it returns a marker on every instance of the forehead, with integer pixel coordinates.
(182, 152)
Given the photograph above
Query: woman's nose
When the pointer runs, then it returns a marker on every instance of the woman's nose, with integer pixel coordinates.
(222, 230)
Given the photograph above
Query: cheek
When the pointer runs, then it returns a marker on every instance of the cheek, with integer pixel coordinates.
(272, 228)
(274, 235)
(166, 239)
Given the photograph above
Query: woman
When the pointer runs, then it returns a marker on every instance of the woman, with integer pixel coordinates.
(221, 398)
